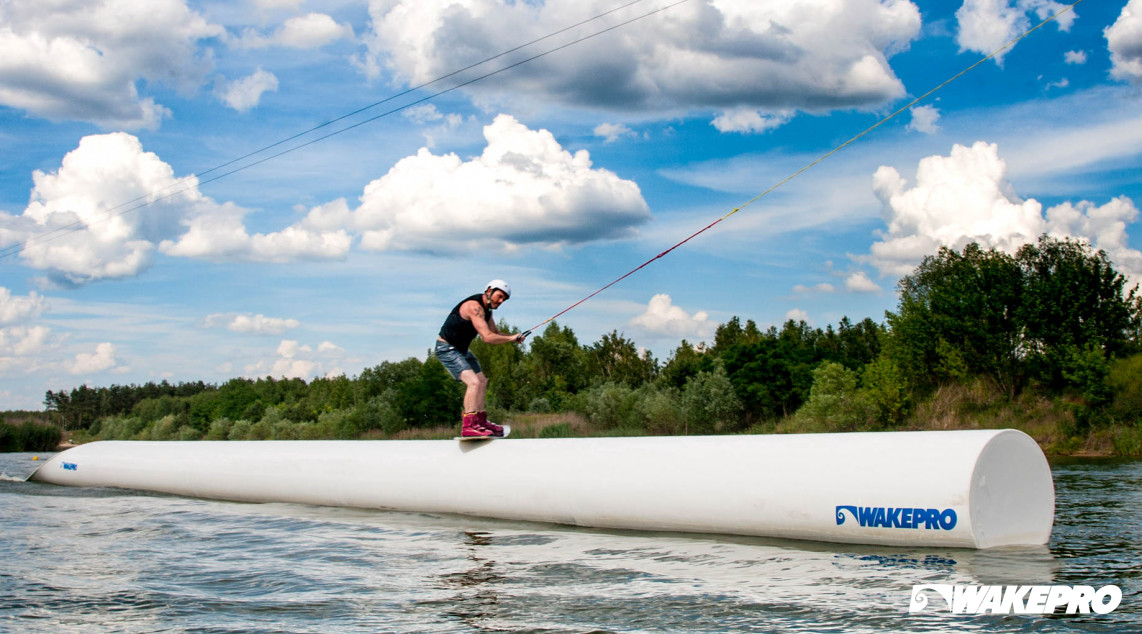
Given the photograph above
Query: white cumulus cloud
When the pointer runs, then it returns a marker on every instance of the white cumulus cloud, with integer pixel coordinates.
(1104, 226)
(309, 31)
(663, 319)
(87, 363)
(860, 283)
(1124, 39)
(750, 120)
(986, 25)
(21, 340)
(221, 234)
(965, 197)
(295, 360)
(524, 189)
(612, 132)
(277, 4)
(925, 119)
(288, 368)
(17, 310)
(956, 199)
(77, 224)
(437, 122)
(245, 94)
(796, 314)
(83, 60)
(1077, 58)
(823, 287)
(289, 348)
(423, 113)
(245, 323)
(89, 219)
(720, 55)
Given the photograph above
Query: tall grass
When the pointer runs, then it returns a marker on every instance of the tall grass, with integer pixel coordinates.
(28, 436)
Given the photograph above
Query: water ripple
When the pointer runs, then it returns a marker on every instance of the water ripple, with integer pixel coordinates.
(96, 560)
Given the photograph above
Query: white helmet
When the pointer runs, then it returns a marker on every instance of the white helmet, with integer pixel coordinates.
(501, 285)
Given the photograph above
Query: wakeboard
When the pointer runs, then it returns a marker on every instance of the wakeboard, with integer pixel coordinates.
(507, 432)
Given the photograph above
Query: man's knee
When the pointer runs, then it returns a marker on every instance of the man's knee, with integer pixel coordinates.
(473, 380)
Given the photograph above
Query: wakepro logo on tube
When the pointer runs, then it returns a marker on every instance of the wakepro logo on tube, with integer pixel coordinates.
(898, 517)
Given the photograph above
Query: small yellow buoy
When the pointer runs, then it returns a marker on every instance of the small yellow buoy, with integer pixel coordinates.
(35, 457)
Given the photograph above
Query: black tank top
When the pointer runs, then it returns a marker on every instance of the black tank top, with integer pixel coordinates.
(459, 331)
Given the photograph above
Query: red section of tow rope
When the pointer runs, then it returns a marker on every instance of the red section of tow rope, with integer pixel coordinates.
(629, 273)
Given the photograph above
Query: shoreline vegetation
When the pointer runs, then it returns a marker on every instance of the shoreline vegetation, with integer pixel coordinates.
(957, 408)
(1048, 341)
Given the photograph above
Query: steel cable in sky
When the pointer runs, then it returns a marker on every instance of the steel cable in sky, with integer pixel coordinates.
(186, 183)
(810, 165)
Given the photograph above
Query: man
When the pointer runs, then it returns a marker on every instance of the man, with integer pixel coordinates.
(471, 317)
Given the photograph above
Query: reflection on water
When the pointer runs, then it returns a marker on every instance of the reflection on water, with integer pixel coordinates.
(93, 560)
(478, 586)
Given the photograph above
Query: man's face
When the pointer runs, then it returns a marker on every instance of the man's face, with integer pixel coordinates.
(496, 298)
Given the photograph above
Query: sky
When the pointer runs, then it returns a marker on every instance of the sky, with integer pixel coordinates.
(290, 188)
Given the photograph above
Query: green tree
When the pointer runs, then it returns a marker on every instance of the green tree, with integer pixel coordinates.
(732, 334)
(859, 343)
(886, 389)
(772, 377)
(970, 301)
(1073, 300)
(328, 394)
(277, 391)
(153, 408)
(203, 408)
(389, 375)
(433, 398)
(234, 398)
(1037, 314)
(609, 405)
(555, 365)
(835, 403)
(686, 361)
(80, 408)
(617, 359)
(660, 409)
(711, 404)
(1125, 381)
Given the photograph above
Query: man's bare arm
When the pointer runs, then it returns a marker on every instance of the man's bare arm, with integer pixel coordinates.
(479, 317)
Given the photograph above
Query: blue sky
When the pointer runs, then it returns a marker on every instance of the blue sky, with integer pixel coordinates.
(558, 175)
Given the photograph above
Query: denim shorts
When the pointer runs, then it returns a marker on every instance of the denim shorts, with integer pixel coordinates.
(454, 361)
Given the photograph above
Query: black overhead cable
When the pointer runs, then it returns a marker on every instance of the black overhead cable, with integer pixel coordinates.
(797, 173)
(153, 197)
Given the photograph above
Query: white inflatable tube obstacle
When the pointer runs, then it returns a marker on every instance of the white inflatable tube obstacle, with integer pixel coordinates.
(971, 489)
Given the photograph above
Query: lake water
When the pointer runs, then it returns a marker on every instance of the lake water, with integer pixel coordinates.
(98, 560)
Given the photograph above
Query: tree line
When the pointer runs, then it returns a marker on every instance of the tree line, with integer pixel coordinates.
(26, 431)
(1055, 319)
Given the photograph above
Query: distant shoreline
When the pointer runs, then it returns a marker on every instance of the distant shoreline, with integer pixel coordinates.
(533, 428)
